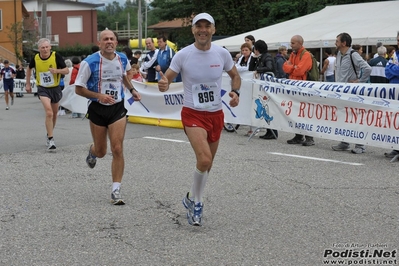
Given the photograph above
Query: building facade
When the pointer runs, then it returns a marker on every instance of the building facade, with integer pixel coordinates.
(66, 23)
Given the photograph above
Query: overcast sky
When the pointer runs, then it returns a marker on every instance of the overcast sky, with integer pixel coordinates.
(106, 2)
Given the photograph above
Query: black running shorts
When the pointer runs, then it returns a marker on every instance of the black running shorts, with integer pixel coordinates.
(104, 115)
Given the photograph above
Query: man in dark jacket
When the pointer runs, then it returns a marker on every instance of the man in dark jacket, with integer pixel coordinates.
(150, 61)
(264, 64)
(378, 65)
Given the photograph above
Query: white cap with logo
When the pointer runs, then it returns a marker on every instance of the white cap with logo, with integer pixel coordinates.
(204, 16)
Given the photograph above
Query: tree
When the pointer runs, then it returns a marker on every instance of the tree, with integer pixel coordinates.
(107, 17)
(15, 34)
(231, 16)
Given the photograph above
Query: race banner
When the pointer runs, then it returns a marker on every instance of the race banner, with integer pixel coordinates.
(153, 104)
(351, 112)
(360, 113)
(19, 86)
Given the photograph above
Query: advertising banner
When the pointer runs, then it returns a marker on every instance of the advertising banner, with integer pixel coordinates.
(360, 113)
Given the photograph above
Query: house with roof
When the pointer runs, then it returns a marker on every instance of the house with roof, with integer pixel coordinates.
(11, 12)
(167, 28)
(66, 22)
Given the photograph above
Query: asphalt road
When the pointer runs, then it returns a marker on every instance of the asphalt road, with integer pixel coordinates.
(266, 202)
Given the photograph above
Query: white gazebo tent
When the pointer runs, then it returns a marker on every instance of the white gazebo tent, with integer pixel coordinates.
(367, 23)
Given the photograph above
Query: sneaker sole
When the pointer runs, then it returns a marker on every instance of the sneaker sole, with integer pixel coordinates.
(52, 150)
(118, 202)
(307, 144)
(89, 165)
(388, 155)
(191, 222)
(295, 143)
(88, 156)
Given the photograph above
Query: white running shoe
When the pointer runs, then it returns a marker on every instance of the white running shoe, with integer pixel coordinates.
(51, 145)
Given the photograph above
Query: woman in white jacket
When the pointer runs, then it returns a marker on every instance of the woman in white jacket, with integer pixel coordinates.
(245, 63)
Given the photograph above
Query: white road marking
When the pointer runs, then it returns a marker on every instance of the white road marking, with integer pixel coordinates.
(314, 158)
(172, 140)
(275, 153)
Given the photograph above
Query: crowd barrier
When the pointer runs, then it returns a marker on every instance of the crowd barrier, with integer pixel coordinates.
(361, 113)
(19, 86)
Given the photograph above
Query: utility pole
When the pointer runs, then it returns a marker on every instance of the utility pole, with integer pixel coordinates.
(16, 30)
(146, 11)
(128, 27)
(139, 24)
(44, 19)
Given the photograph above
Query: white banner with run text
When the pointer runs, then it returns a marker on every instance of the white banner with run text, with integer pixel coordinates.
(19, 86)
(359, 113)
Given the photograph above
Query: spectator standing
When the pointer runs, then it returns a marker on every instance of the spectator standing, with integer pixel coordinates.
(101, 78)
(20, 75)
(358, 48)
(150, 61)
(135, 73)
(328, 66)
(345, 72)
(392, 74)
(75, 69)
(165, 55)
(265, 64)
(136, 57)
(20, 72)
(49, 66)
(65, 82)
(202, 65)
(74, 74)
(379, 44)
(245, 59)
(61, 110)
(251, 40)
(129, 54)
(378, 65)
(280, 59)
(297, 67)
(244, 62)
(67, 77)
(391, 53)
(7, 74)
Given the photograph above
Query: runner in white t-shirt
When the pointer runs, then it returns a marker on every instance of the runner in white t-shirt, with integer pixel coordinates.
(201, 66)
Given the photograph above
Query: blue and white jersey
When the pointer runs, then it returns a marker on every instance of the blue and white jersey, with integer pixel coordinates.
(99, 74)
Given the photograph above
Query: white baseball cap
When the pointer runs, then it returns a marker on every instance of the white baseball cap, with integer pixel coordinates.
(205, 16)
